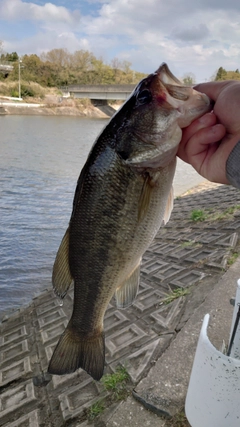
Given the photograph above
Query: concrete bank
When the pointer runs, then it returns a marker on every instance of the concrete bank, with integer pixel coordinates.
(67, 108)
(155, 341)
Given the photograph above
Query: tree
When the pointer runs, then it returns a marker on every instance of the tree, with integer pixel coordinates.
(100, 73)
(58, 67)
(116, 65)
(12, 57)
(221, 74)
(189, 79)
(82, 60)
(31, 65)
(60, 57)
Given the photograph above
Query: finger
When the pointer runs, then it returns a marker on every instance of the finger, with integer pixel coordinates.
(205, 137)
(212, 89)
(206, 120)
(200, 141)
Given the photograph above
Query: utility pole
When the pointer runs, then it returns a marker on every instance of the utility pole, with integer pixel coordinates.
(19, 78)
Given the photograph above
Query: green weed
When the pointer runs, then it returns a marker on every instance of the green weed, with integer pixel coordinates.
(176, 293)
(190, 243)
(198, 215)
(111, 381)
(210, 215)
(96, 409)
(117, 383)
(227, 213)
(232, 258)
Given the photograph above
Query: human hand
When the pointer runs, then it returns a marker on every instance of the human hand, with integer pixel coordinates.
(208, 141)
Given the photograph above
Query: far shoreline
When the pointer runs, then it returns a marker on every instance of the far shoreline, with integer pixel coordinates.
(68, 107)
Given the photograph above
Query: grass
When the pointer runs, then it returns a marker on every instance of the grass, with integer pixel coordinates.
(117, 383)
(96, 409)
(27, 89)
(198, 215)
(176, 293)
(233, 257)
(227, 213)
(190, 243)
(201, 215)
(187, 244)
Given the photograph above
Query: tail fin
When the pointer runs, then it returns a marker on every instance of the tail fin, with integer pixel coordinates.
(73, 352)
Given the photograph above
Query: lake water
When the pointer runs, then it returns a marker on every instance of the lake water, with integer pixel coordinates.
(40, 161)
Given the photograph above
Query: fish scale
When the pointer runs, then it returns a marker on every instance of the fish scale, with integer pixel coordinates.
(123, 195)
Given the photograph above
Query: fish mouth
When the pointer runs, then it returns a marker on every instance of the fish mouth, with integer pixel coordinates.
(188, 102)
(166, 76)
(172, 107)
(172, 85)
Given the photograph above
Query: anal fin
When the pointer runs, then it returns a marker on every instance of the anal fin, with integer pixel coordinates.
(126, 293)
(61, 276)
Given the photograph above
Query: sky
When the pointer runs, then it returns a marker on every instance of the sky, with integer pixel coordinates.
(197, 36)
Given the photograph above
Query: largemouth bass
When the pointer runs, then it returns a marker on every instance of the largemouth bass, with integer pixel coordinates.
(123, 195)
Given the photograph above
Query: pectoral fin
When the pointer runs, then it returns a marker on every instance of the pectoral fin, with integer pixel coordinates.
(145, 198)
(126, 293)
(61, 277)
(169, 207)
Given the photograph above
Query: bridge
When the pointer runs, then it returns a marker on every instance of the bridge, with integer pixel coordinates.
(99, 92)
(6, 67)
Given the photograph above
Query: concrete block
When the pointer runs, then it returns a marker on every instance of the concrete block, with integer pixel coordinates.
(77, 399)
(49, 318)
(121, 340)
(15, 399)
(13, 335)
(148, 300)
(29, 420)
(54, 331)
(13, 352)
(16, 370)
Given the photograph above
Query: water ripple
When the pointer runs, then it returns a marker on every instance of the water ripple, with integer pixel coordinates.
(37, 182)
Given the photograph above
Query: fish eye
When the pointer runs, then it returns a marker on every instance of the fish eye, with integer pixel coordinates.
(144, 96)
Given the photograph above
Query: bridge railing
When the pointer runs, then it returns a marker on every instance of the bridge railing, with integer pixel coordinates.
(104, 92)
(2, 61)
(6, 65)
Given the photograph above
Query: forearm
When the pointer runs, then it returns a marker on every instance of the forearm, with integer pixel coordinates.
(233, 166)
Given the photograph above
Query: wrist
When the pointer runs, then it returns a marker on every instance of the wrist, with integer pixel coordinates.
(233, 166)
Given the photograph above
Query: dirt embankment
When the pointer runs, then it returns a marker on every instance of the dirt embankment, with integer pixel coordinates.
(56, 106)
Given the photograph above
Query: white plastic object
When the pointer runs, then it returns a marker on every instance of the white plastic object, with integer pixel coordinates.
(213, 397)
(235, 350)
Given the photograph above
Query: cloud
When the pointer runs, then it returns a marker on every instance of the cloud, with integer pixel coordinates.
(49, 12)
(191, 34)
(45, 41)
(190, 37)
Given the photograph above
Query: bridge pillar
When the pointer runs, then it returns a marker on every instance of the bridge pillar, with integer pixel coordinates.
(99, 102)
(102, 104)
